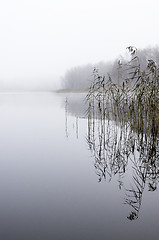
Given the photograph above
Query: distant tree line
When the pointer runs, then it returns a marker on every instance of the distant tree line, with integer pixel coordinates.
(80, 78)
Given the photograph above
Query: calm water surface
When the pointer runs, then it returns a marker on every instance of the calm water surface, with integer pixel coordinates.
(49, 188)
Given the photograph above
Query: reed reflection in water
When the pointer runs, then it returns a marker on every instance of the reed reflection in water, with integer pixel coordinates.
(116, 148)
(122, 150)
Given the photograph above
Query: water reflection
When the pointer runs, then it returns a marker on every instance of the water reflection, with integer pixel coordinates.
(74, 105)
(47, 182)
(127, 148)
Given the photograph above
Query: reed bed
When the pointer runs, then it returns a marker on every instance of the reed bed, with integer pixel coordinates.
(123, 128)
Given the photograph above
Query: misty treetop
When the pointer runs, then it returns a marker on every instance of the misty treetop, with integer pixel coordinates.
(80, 77)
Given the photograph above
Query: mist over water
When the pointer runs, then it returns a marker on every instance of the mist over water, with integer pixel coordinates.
(57, 177)
(48, 183)
(30, 84)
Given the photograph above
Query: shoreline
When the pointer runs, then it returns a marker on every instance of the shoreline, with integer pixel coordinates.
(72, 91)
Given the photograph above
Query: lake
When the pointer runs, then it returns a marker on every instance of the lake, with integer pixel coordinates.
(52, 184)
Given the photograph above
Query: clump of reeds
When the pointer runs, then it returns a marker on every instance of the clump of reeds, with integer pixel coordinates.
(126, 115)
(135, 101)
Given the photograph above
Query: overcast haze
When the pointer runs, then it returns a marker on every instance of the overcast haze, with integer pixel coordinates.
(40, 40)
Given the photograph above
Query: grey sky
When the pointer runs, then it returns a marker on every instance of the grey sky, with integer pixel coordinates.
(41, 39)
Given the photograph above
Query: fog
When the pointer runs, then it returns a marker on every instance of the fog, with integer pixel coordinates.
(41, 40)
(81, 77)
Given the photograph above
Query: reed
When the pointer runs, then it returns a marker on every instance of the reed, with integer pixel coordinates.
(123, 127)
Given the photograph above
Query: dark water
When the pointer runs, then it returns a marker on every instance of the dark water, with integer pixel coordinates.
(49, 187)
